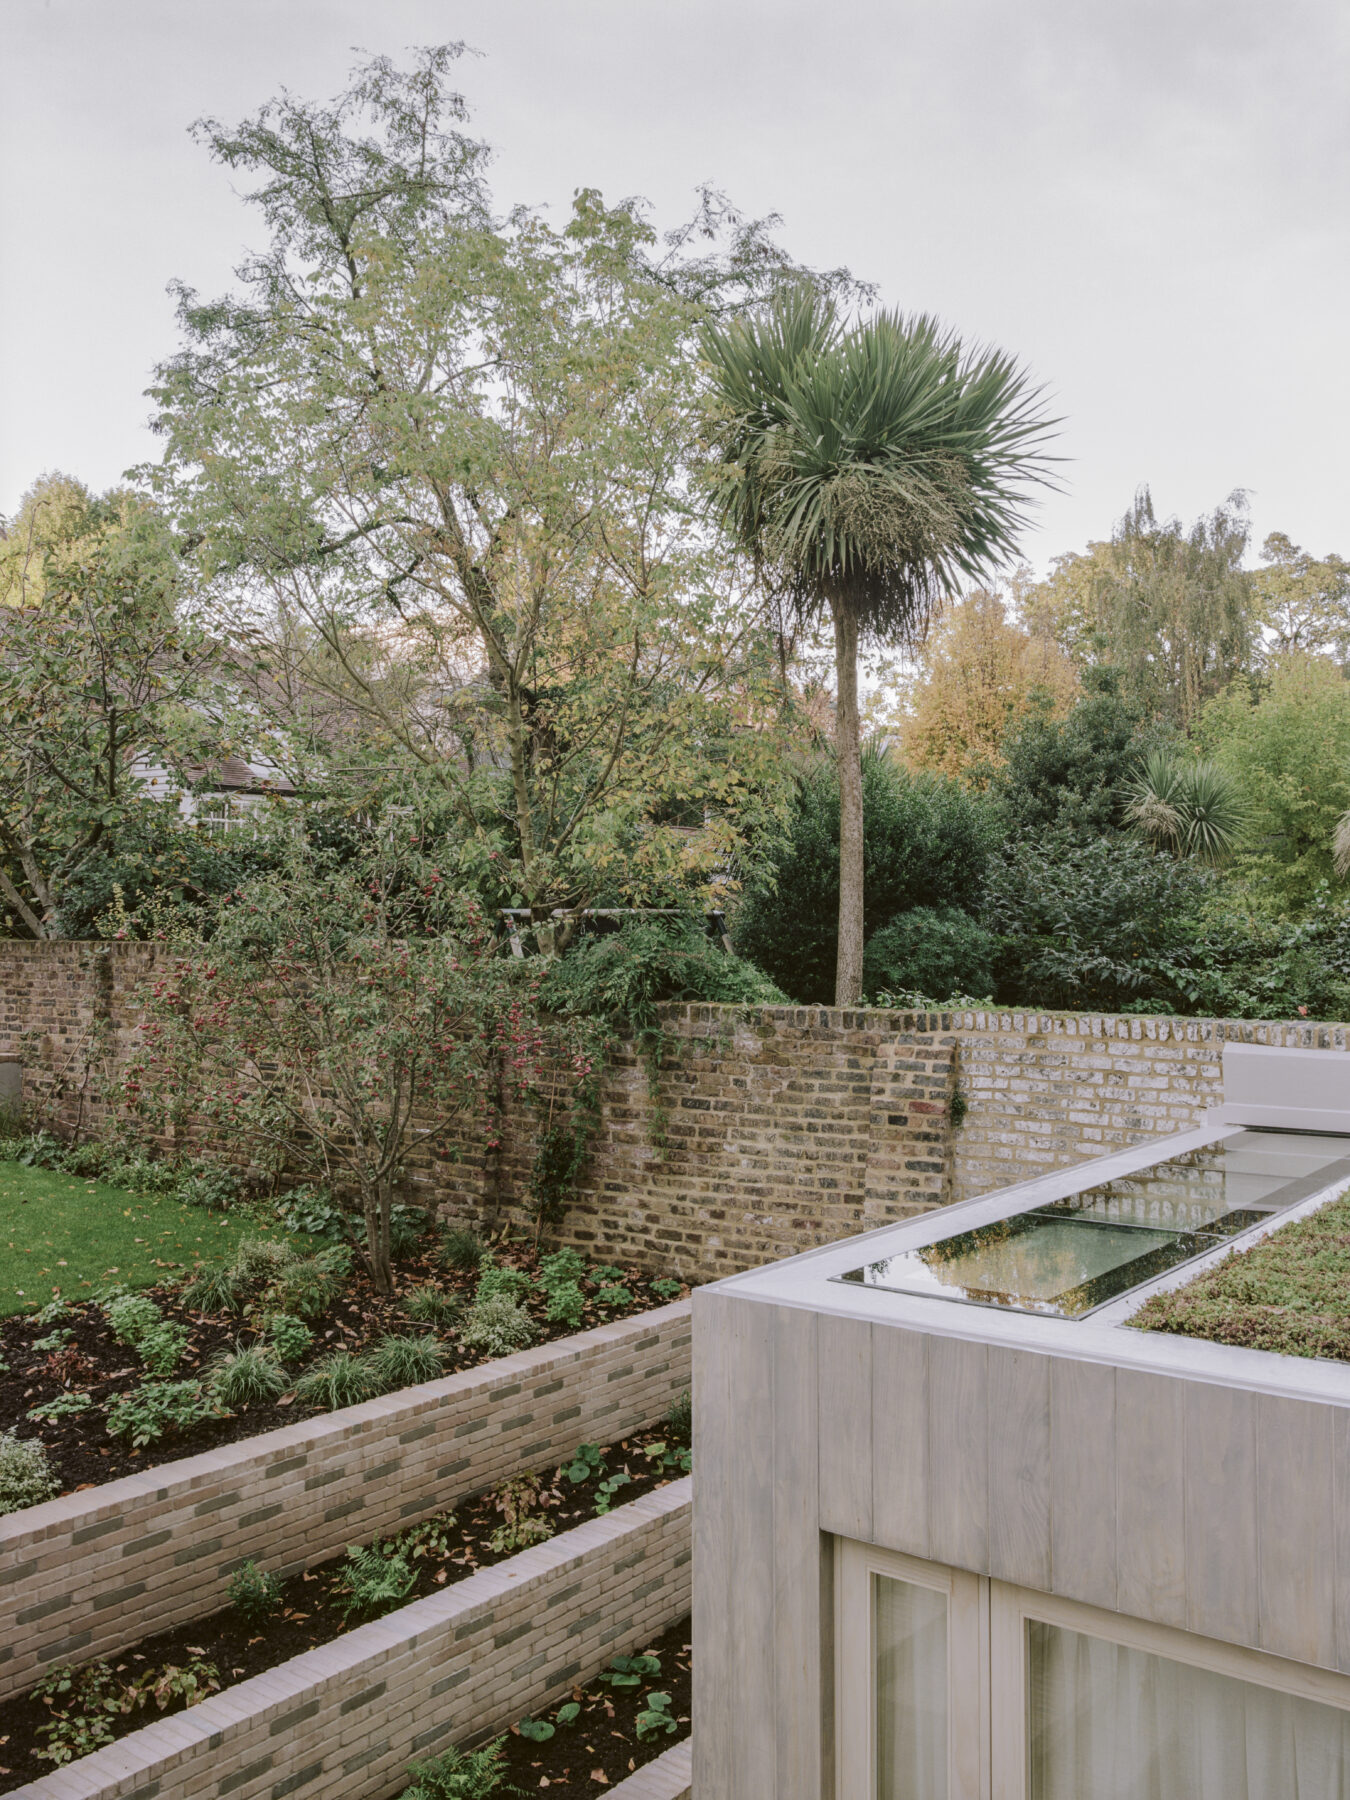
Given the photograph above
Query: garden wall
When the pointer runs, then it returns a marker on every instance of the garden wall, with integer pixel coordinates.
(764, 1132)
(344, 1720)
(94, 1572)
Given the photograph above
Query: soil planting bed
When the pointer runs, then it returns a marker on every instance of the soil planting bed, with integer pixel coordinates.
(89, 1360)
(600, 1746)
(309, 1608)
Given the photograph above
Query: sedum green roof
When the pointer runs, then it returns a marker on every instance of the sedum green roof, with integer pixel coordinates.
(1289, 1293)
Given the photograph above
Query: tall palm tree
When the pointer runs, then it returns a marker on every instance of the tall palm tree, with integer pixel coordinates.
(867, 470)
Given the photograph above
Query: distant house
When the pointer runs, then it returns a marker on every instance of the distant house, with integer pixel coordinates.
(218, 796)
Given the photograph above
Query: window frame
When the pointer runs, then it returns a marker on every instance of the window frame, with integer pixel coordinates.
(1011, 1607)
(988, 1668)
(968, 1638)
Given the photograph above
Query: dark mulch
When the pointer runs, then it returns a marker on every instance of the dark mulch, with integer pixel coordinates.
(601, 1747)
(311, 1613)
(93, 1362)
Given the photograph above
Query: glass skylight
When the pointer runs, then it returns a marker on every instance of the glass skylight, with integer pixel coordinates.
(1066, 1257)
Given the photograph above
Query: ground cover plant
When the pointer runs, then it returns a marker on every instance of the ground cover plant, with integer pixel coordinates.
(76, 1709)
(280, 1332)
(1289, 1293)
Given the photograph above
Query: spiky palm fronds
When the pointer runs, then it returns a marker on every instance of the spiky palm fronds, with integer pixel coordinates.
(877, 467)
(1190, 808)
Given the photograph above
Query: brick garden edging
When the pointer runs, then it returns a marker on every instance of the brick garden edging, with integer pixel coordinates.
(350, 1715)
(95, 1572)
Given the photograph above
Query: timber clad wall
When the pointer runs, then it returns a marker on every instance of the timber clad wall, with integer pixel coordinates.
(93, 1572)
(345, 1720)
(783, 1127)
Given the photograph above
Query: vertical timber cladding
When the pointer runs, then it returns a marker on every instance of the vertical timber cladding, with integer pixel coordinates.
(762, 1132)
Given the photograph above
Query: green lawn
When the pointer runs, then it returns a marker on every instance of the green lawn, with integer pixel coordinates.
(59, 1233)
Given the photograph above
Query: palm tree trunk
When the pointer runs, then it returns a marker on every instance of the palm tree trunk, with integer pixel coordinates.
(848, 756)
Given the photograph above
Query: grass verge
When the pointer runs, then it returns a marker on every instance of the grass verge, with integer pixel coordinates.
(63, 1234)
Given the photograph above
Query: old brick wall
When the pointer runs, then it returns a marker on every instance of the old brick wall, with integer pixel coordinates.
(764, 1132)
(93, 1572)
(346, 1719)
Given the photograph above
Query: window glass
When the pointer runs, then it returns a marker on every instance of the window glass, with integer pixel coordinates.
(1106, 1722)
(909, 1631)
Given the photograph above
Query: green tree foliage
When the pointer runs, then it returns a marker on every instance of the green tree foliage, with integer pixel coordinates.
(438, 466)
(1304, 601)
(928, 843)
(1068, 775)
(934, 952)
(867, 471)
(622, 976)
(1169, 606)
(98, 676)
(1087, 923)
(344, 1017)
(1286, 743)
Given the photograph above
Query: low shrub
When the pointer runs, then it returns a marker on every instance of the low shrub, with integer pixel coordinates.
(158, 1409)
(459, 1774)
(408, 1225)
(212, 1188)
(254, 1593)
(304, 1288)
(679, 1420)
(291, 1337)
(26, 1474)
(373, 1580)
(559, 1276)
(497, 1325)
(613, 1296)
(566, 1304)
(339, 1379)
(251, 1377)
(310, 1210)
(131, 1316)
(161, 1348)
(397, 1362)
(256, 1257)
(522, 1524)
(498, 1278)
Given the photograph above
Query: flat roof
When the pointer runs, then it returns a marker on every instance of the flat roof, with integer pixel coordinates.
(826, 1280)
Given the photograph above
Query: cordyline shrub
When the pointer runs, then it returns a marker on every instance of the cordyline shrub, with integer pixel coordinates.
(343, 1017)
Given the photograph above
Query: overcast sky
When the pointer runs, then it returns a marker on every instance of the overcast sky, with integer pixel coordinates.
(1146, 200)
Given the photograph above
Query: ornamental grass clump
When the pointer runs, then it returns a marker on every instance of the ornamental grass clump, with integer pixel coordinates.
(397, 1362)
(339, 1379)
(251, 1377)
(428, 1305)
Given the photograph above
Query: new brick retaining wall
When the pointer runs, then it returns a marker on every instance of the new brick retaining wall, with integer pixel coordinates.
(344, 1721)
(94, 1572)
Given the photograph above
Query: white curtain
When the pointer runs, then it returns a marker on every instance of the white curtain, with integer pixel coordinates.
(909, 1626)
(1110, 1723)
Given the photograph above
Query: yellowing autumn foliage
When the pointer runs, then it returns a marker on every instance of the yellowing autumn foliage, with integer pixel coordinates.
(980, 672)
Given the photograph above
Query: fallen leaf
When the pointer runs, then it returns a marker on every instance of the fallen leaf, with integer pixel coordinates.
(600, 1776)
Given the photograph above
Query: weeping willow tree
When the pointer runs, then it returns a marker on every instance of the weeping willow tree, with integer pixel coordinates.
(869, 471)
